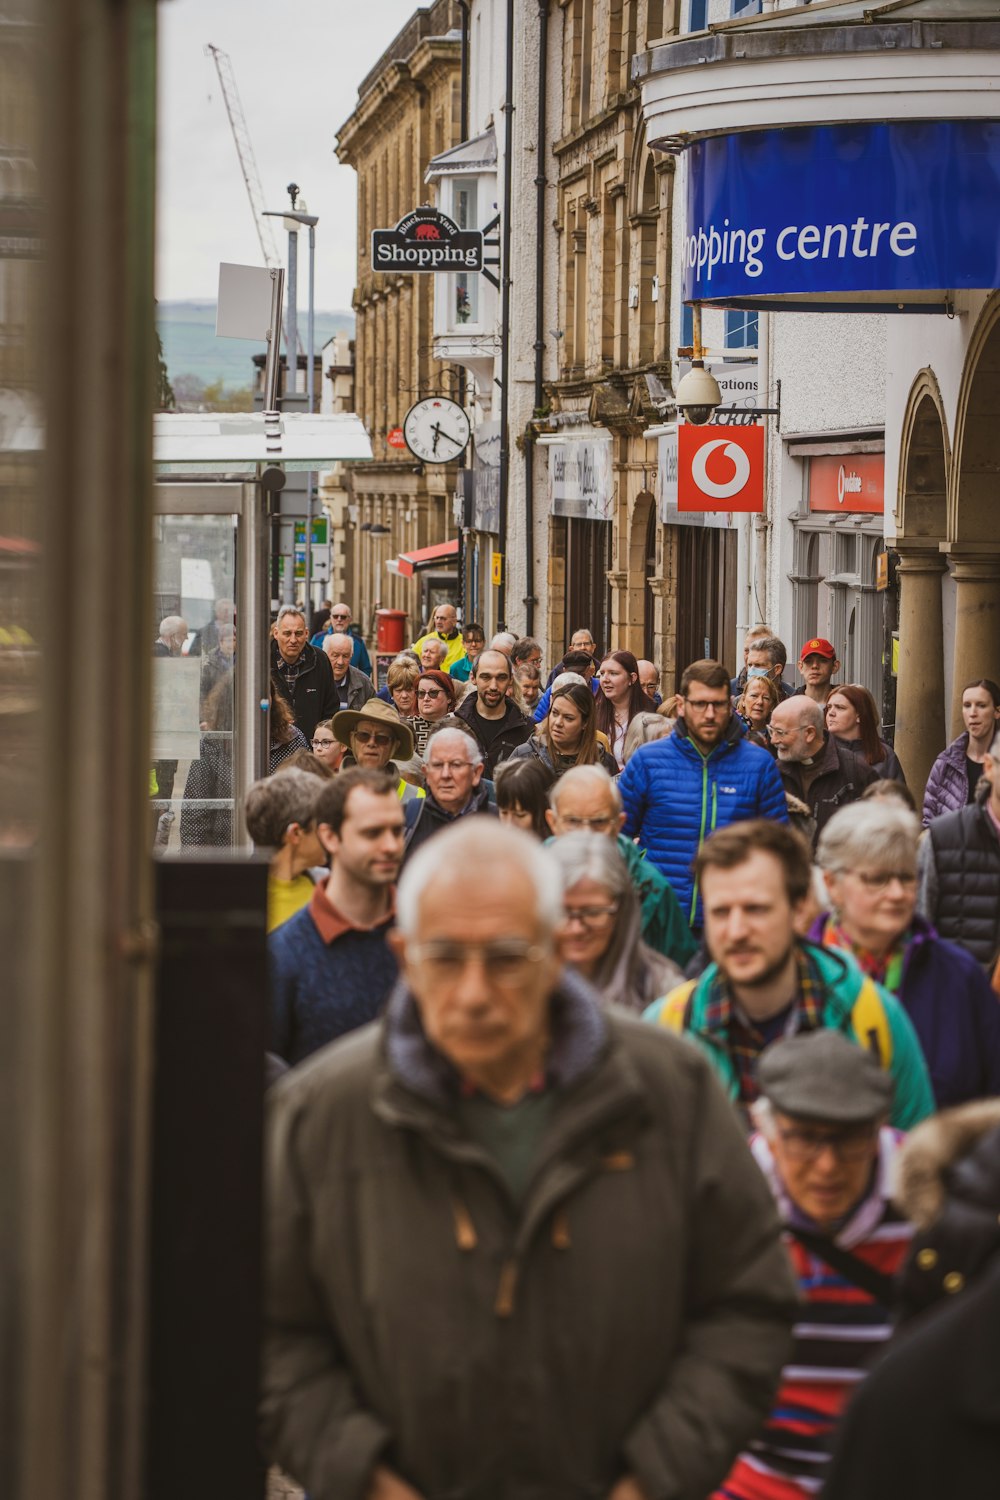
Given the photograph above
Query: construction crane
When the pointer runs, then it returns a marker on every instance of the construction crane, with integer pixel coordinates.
(244, 150)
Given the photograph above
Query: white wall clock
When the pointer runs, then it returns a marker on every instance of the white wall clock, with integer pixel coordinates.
(436, 430)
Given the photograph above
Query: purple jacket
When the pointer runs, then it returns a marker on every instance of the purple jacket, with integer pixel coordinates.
(948, 784)
(954, 1012)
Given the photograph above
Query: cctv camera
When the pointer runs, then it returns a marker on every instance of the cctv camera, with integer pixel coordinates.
(698, 394)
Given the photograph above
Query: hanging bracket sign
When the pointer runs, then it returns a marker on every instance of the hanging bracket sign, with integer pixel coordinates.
(427, 240)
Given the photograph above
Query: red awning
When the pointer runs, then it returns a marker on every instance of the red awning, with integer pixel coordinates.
(408, 563)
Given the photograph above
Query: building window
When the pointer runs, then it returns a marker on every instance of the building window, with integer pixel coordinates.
(687, 326)
(741, 329)
(465, 295)
(745, 7)
(697, 15)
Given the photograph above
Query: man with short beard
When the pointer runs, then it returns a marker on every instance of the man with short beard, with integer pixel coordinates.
(498, 724)
(766, 983)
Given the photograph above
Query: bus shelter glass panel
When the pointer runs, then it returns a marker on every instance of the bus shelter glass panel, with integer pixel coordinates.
(192, 775)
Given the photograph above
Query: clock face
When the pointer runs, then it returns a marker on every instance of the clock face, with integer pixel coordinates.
(436, 430)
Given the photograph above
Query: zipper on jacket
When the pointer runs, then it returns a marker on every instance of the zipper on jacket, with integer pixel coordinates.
(503, 1305)
(465, 1231)
(701, 833)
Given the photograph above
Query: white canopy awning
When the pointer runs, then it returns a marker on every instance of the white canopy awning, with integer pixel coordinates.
(236, 442)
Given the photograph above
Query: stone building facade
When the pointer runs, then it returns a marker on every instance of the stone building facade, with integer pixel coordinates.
(612, 564)
(408, 110)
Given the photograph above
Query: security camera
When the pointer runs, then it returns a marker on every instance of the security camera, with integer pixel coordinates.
(698, 394)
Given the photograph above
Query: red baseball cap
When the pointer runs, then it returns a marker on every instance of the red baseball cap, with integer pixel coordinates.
(818, 647)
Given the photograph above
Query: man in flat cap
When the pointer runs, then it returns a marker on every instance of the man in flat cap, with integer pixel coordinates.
(827, 1152)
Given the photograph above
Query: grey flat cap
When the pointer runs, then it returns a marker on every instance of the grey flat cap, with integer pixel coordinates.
(822, 1075)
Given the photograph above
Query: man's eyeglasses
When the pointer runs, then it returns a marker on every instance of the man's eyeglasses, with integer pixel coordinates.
(846, 1145)
(707, 705)
(454, 766)
(590, 916)
(505, 961)
(373, 737)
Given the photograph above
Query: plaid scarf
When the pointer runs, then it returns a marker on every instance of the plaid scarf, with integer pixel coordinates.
(745, 1041)
(887, 970)
(289, 670)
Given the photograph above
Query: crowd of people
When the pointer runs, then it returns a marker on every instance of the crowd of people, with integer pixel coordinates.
(671, 1104)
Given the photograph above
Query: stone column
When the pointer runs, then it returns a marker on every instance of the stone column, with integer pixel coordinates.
(977, 624)
(920, 722)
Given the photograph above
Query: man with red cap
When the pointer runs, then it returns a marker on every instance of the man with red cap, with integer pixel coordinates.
(818, 665)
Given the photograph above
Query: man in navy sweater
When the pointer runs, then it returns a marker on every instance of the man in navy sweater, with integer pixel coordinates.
(331, 966)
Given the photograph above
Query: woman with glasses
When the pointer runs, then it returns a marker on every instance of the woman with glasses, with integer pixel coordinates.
(868, 855)
(852, 719)
(600, 937)
(620, 699)
(567, 736)
(326, 746)
(435, 699)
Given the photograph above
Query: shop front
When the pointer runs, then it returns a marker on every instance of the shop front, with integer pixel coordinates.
(581, 511)
(838, 540)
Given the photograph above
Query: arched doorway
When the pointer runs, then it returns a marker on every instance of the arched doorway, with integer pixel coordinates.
(973, 538)
(921, 522)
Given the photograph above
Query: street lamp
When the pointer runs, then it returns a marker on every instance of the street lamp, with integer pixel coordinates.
(293, 217)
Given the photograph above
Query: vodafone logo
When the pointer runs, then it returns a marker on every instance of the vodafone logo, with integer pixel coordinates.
(847, 484)
(739, 461)
(720, 472)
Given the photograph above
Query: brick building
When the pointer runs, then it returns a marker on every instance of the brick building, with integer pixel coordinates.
(407, 111)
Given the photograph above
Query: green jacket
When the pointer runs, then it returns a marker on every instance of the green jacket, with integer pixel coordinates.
(493, 1349)
(663, 924)
(854, 1004)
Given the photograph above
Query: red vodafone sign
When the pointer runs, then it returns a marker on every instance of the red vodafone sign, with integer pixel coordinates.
(720, 468)
(854, 482)
(394, 437)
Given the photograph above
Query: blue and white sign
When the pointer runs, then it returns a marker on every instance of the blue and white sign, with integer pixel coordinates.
(886, 209)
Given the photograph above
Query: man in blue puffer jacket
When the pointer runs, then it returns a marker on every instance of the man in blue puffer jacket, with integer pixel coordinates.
(705, 776)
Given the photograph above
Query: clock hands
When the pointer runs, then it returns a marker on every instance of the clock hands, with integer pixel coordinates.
(439, 432)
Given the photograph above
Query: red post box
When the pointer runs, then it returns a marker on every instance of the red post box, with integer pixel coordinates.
(389, 630)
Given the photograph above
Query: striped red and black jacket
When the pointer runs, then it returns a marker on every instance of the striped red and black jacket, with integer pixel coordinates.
(840, 1332)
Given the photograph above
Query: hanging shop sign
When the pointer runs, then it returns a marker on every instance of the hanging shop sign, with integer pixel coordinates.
(885, 214)
(580, 480)
(394, 437)
(666, 487)
(427, 240)
(721, 470)
(854, 482)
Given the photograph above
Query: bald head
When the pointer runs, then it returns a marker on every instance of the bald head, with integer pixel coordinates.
(797, 728)
(649, 677)
(585, 799)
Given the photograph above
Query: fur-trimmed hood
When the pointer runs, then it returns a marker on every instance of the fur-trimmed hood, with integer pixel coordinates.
(932, 1149)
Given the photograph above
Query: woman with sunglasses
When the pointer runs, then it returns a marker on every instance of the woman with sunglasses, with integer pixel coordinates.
(601, 932)
(868, 855)
(435, 699)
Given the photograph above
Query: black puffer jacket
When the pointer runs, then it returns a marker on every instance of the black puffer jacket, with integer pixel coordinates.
(960, 880)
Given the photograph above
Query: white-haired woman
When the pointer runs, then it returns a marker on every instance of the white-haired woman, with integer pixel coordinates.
(868, 855)
(601, 933)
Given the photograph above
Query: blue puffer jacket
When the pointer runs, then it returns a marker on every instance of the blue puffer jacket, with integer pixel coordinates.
(675, 797)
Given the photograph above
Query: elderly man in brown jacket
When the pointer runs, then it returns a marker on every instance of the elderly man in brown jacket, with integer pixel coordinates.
(517, 1246)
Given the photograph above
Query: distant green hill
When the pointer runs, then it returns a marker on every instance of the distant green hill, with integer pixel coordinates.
(190, 346)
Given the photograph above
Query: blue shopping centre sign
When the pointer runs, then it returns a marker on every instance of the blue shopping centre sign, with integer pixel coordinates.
(887, 208)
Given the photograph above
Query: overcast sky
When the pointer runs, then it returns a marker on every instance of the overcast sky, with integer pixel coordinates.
(298, 64)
